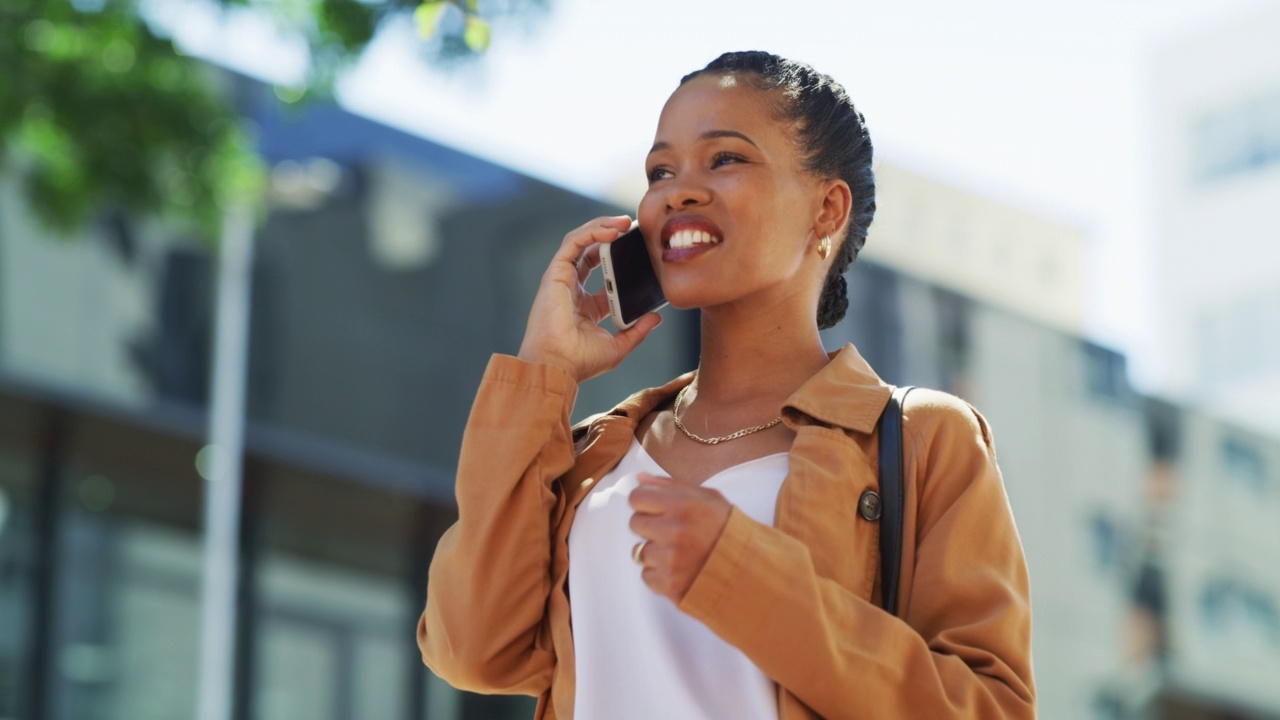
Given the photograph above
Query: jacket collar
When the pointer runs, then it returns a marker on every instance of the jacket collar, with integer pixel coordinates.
(845, 393)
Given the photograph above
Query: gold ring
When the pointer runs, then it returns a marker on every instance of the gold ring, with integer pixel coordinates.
(635, 552)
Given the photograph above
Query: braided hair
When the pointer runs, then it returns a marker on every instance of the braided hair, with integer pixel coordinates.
(833, 141)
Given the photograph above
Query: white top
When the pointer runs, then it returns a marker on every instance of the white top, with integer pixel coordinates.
(638, 656)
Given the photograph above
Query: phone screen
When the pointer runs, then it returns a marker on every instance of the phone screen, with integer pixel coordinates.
(638, 290)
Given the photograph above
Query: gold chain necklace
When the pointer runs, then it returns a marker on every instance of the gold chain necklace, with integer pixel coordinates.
(675, 415)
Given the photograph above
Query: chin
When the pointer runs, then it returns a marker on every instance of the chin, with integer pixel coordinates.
(690, 294)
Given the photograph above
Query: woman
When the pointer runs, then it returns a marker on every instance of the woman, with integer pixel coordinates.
(708, 531)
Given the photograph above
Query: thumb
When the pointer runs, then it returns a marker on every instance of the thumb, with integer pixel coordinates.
(629, 339)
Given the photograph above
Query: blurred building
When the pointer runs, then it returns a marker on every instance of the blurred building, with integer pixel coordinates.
(1215, 152)
(390, 268)
(979, 247)
(1149, 528)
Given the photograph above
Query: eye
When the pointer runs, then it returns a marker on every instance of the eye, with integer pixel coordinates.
(658, 173)
(724, 158)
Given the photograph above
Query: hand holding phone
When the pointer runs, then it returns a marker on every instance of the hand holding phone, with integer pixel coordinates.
(563, 327)
(630, 282)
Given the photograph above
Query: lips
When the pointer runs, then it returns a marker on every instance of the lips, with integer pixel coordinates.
(688, 236)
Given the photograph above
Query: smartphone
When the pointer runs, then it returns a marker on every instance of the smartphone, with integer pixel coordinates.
(629, 279)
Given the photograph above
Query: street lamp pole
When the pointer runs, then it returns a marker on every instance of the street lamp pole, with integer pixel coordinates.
(214, 698)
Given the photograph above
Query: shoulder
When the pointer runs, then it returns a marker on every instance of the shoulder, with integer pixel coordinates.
(936, 418)
(951, 455)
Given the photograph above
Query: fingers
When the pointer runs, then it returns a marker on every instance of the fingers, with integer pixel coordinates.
(657, 496)
(589, 261)
(653, 528)
(600, 230)
(637, 552)
(562, 322)
(596, 306)
(678, 525)
(652, 555)
(629, 339)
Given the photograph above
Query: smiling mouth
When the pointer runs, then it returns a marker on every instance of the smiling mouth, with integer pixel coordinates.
(691, 238)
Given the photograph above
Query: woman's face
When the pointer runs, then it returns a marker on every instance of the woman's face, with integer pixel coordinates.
(730, 215)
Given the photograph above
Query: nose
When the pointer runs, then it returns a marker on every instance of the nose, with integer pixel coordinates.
(683, 194)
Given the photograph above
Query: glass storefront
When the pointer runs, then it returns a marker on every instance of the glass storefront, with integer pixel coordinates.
(18, 487)
(332, 569)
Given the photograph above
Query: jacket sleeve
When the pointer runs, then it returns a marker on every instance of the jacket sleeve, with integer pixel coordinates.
(963, 646)
(490, 577)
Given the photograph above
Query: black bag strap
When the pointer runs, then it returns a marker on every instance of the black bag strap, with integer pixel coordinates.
(891, 498)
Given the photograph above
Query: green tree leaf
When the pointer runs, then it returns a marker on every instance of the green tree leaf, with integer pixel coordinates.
(477, 34)
(427, 17)
(99, 111)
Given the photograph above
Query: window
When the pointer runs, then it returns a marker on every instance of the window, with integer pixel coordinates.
(1242, 465)
(1237, 140)
(22, 433)
(874, 320)
(1106, 374)
(1235, 612)
(953, 313)
(1107, 542)
(1164, 429)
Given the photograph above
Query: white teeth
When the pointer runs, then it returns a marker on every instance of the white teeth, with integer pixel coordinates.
(689, 238)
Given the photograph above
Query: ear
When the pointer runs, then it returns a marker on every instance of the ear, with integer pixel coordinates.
(833, 212)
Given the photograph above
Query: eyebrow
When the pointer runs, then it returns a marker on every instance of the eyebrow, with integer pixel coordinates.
(708, 135)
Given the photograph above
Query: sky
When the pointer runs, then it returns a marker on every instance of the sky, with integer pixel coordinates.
(1041, 104)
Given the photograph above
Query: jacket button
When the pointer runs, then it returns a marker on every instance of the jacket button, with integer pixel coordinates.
(869, 506)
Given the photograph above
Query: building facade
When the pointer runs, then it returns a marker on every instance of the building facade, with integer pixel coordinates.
(1215, 156)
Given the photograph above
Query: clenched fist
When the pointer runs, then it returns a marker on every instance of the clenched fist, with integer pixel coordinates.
(679, 523)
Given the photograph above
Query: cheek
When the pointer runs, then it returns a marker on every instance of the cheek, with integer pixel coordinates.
(649, 214)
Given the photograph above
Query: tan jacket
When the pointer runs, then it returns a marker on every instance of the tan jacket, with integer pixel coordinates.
(799, 598)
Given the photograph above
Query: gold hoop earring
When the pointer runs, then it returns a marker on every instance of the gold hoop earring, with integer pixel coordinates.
(824, 247)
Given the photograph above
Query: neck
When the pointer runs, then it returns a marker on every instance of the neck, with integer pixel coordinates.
(753, 356)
